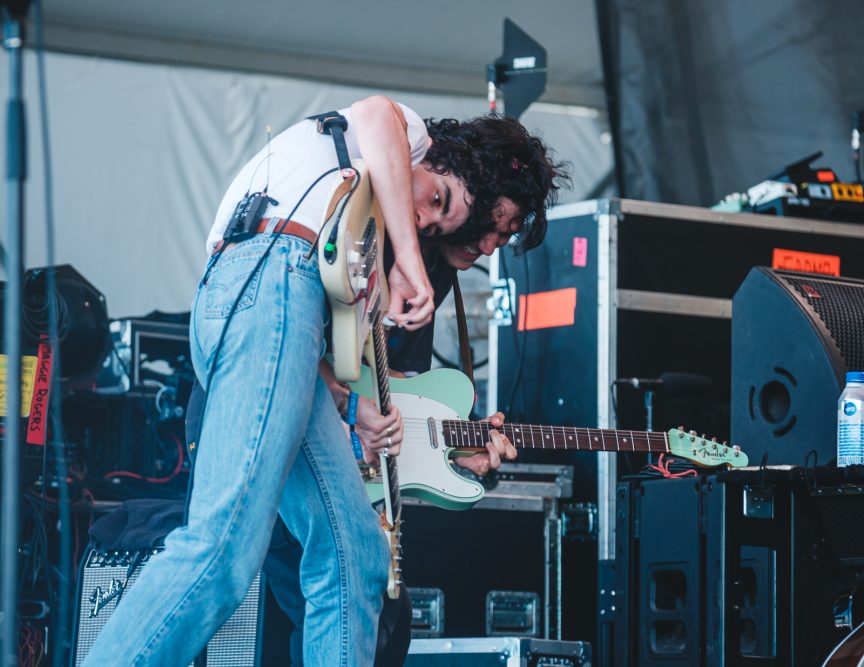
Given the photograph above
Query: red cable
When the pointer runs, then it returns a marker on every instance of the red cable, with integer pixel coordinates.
(663, 469)
(154, 480)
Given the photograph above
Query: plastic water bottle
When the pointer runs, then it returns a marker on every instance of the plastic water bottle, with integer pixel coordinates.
(850, 421)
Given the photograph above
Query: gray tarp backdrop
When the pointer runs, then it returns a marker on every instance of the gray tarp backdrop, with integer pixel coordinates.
(712, 97)
(143, 152)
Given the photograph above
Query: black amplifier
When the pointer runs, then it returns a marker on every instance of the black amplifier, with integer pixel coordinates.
(761, 567)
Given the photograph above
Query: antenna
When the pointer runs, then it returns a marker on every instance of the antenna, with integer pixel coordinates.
(267, 183)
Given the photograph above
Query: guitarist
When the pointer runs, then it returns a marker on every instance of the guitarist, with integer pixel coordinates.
(269, 425)
(526, 184)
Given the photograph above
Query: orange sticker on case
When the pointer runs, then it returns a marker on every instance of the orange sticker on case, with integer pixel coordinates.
(808, 262)
(542, 310)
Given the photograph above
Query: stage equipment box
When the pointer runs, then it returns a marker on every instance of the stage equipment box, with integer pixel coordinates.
(753, 567)
(511, 539)
(497, 652)
(623, 289)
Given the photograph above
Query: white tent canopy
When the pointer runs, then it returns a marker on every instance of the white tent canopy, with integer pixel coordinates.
(439, 47)
(143, 147)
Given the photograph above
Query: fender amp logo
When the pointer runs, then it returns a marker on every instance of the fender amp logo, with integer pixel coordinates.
(99, 598)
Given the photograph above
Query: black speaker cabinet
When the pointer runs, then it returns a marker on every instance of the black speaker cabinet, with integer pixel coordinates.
(738, 568)
(784, 564)
(104, 578)
(658, 574)
(794, 336)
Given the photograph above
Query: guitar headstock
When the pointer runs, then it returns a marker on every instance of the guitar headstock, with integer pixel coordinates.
(705, 452)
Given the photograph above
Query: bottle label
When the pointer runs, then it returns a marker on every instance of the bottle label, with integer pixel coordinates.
(850, 433)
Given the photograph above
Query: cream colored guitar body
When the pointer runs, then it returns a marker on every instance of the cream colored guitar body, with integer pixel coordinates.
(351, 263)
(352, 268)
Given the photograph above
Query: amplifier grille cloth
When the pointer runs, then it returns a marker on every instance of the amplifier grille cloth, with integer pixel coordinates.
(234, 644)
(841, 308)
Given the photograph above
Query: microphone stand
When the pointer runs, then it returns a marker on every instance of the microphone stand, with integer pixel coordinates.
(16, 174)
(648, 401)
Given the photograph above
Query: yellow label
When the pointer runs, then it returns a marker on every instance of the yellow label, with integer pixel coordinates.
(28, 377)
(848, 192)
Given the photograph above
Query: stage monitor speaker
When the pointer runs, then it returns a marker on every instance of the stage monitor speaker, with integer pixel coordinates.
(104, 578)
(794, 336)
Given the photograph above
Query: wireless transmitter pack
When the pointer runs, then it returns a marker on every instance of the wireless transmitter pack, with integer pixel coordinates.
(248, 213)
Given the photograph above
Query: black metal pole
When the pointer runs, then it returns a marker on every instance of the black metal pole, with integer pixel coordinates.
(608, 35)
(16, 174)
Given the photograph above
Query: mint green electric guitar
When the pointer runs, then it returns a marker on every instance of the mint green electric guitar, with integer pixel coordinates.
(434, 406)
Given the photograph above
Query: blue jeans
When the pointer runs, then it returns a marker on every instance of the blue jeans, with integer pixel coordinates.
(271, 440)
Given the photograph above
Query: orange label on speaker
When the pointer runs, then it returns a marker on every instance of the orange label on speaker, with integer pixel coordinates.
(542, 310)
(808, 262)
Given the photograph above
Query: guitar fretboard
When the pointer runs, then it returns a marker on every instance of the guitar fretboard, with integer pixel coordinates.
(382, 373)
(473, 435)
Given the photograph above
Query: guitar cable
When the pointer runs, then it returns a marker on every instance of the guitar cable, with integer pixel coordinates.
(246, 284)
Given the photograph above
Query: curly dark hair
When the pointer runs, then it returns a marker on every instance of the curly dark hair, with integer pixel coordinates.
(496, 157)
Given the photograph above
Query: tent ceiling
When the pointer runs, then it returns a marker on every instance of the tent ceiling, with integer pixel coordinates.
(439, 46)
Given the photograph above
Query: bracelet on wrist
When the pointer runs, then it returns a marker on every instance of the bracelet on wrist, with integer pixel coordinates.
(350, 414)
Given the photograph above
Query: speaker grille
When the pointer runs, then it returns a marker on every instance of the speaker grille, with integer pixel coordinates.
(840, 306)
(235, 643)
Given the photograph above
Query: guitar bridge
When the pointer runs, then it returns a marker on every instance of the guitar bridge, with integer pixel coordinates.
(433, 433)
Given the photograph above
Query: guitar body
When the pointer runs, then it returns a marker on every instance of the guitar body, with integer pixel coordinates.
(850, 652)
(425, 471)
(434, 405)
(352, 269)
(351, 263)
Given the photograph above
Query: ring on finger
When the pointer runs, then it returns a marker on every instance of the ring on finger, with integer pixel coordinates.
(389, 430)
(389, 442)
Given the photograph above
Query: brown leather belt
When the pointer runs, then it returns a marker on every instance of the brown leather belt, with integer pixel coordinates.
(291, 228)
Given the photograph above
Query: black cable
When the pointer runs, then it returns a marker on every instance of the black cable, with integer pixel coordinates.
(448, 363)
(254, 272)
(64, 595)
(520, 349)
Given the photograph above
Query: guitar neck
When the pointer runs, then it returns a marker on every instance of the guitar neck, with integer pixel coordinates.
(382, 376)
(473, 435)
(379, 362)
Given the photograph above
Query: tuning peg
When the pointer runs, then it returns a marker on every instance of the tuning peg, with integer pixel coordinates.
(680, 429)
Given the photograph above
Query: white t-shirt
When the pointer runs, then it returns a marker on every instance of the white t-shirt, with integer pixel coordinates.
(297, 157)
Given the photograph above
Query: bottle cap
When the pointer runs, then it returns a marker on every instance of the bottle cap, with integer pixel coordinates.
(855, 376)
